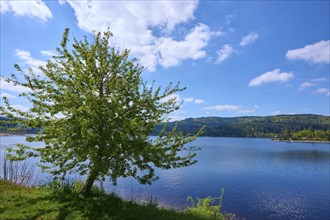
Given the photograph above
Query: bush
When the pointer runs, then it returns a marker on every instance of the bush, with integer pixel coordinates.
(205, 209)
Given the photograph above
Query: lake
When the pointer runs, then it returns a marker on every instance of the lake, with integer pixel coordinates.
(262, 179)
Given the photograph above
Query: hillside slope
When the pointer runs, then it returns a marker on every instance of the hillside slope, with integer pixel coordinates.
(251, 126)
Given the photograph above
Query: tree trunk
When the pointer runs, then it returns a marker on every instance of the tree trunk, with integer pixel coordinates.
(89, 183)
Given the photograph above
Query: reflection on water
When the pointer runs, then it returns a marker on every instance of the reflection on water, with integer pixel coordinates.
(315, 155)
(262, 179)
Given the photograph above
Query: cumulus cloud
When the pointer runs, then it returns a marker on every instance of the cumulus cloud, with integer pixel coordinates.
(4, 94)
(311, 83)
(272, 76)
(315, 53)
(189, 99)
(229, 18)
(224, 53)
(33, 9)
(306, 85)
(28, 60)
(48, 53)
(322, 91)
(320, 80)
(11, 87)
(176, 97)
(176, 116)
(224, 107)
(277, 112)
(196, 101)
(61, 2)
(171, 52)
(249, 39)
(199, 101)
(171, 118)
(239, 109)
(147, 28)
(21, 108)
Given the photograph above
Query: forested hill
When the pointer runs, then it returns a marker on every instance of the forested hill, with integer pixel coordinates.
(252, 126)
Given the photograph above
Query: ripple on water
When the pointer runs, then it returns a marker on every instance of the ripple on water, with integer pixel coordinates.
(286, 205)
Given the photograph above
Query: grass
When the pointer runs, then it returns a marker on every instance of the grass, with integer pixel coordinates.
(65, 202)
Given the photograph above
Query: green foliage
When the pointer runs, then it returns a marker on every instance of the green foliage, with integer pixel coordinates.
(96, 114)
(309, 134)
(71, 187)
(205, 208)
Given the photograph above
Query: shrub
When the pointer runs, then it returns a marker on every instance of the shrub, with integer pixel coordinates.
(205, 208)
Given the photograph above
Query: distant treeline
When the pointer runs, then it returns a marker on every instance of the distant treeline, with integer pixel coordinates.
(253, 126)
(13, 128)
(306, 134)
(282, 126)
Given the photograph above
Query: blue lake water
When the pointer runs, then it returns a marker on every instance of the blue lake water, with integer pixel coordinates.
(262, 179)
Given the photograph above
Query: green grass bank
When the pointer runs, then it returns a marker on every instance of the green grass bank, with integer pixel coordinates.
(65, 202)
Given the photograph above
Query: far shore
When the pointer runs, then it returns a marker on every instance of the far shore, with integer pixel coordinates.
(13, 134)
(273, 139)
(302, 141)
(8, 134)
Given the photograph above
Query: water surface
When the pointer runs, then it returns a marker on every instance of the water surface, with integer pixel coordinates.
(262, 179)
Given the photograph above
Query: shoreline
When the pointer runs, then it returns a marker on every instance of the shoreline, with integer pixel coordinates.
(13, 134)
(302, 141)
(273, 139)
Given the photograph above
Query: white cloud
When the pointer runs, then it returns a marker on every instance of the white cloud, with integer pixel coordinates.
(176, 97)
(171, 52)
(21, 108)
(4, 94)
(147, 28)
(224, 53)
(48, 53)
(134, 14)
(275, 113)
(189, 99)
(306, 85)
(199, 101)
(239, 109)
(61, 2)
(33, 8)
(26, 57)
(4, 6)
(224, 107)
(229, 18)
(249, 39)
(248, 110)
(11, 87)
(196, 101)
(322, 91)
(272, 76)
(174, 118)
(313, 82)
(316, 53)
(320, 80)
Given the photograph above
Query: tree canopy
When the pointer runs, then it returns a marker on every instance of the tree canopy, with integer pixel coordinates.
(95, 114)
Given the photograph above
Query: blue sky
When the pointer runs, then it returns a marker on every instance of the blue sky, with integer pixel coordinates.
(235, 58)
